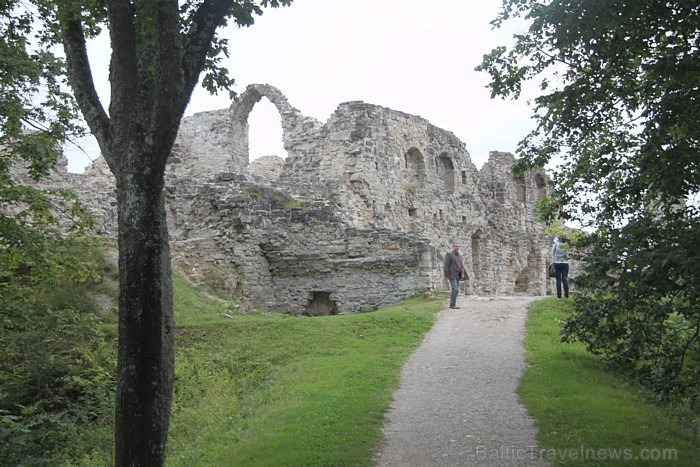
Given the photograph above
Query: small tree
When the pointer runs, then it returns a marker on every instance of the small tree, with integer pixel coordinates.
(620, 105)
(159, 50)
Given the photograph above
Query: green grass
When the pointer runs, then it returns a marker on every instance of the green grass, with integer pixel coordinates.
(193, 305)
(271, 389)
(276, 390)
(585, 414)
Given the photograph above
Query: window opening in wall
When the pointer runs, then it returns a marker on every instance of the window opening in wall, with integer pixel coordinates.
(464, 219)
(415, 168)
(476, 255)
(441, 216)
(265, 131)
(321, 304)
(445, 170)
(500, 193)
(412, 212)
(541, 186)
(464, 177)
(520, 190)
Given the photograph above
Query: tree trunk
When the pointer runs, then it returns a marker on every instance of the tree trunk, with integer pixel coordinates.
(145, 369)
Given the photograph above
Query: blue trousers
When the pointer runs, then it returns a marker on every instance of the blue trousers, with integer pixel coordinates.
(454, 283)
(562, 270)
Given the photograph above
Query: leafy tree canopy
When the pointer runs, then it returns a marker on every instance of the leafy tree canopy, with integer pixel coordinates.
(37, 115)
(620, 109)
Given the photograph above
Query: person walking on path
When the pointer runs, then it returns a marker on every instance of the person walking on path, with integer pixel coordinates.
(561, 266)
(454, 271)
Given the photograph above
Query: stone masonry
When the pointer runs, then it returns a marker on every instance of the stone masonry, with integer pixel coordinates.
(359, 214)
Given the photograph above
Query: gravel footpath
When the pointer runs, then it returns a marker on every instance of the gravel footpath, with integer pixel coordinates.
(456, 404)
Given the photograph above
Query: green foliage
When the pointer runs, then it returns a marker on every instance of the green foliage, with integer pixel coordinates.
(585, 411)
(31, 437)
(619, 107)
(638, 305)
(37, 115)
(56, 363)
(54, 373)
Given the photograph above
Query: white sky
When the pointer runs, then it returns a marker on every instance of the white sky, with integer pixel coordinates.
(414, 56)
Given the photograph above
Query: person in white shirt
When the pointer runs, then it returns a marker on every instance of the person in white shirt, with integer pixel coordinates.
(561, 266)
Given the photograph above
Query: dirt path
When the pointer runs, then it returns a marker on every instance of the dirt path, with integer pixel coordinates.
(456, 404)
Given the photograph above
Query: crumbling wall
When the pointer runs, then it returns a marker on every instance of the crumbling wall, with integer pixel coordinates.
(359, 214)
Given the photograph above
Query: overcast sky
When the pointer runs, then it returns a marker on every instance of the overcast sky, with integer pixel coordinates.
(413, 56)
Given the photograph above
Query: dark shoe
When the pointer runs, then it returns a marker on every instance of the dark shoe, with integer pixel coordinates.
(454, 307)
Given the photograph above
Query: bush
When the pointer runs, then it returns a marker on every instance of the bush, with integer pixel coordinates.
(56, 363)
(657, 341)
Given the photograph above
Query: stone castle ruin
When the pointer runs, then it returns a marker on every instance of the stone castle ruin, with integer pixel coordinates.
(359, 214)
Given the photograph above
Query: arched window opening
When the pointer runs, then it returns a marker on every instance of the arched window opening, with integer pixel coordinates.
(541, 186)
(265, 131)
(520, 190)
(414, 168)
(446, 172)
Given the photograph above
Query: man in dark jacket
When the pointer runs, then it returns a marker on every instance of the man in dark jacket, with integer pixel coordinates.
(454, 271)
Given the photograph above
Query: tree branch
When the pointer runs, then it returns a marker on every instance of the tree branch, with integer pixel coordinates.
(81, 80)
(170, 96)
(123, 69)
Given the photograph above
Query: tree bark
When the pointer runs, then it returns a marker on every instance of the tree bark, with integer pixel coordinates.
(145, 370)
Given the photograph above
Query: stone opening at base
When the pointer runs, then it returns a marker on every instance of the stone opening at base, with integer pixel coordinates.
(321, 304)
(522, 282)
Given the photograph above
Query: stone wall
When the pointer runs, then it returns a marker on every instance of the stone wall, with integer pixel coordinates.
(359, 214)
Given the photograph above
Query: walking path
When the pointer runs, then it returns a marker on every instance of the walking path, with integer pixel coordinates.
(456, 404)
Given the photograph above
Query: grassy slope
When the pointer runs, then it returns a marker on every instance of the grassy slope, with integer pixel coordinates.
(581, 408)
(277, 390)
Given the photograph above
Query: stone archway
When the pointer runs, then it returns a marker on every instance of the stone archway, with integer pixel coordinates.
(293, 121)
